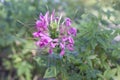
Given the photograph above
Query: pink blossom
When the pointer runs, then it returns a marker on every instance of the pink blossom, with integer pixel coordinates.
(41, 25)
(68, 22)
(41, 17)
(71, 40)
(52, 45)
(53, 15)
(47, 18)
(64, 38)
(41, 44)
(63, 35)
(70, 47)
(51, 50)
(62, 52)
(62, 46)
(55, 40)
(44, 41)
(36, 34)
(72, 31)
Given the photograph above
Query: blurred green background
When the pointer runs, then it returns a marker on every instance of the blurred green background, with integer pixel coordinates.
(97, 44)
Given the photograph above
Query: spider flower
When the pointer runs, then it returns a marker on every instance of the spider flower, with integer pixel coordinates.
(54, 33)
(68, 22)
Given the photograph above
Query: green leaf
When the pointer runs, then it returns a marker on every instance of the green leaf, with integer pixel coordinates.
(92, 57)
(110, 73)
(50, 72)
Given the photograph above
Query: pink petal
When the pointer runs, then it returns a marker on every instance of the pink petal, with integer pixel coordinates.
(64, 39)
(71, 40)
(46, 18)
(53, 15)
(62, 46)
(52, 45)
(62, 52)
(36, 34)
(38, 23)
(50, 50)
(55, 40)
(72, 31)
(70, 47)
(68, 22)
(41, 17)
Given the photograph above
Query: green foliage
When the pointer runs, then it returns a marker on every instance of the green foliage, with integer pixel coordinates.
(96, 55)
(50, 72)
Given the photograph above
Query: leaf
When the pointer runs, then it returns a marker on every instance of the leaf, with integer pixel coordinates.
(116, 77)
(110, 73)
(92, 57)
(50, 72)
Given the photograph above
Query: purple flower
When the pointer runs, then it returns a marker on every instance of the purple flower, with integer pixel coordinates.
(55, 40)
(51, 50)
(52, 45)
(41, 17)
(40, 44)
(64, 39)
(62, 52)
(46, 17)
(53, 15)
(71, 41)
(62, 46)
(44, 41)
(64, 33)
(36, 34)
(57, 19)
(68, 22)
(70, 47)
(41, 25)
(72, 31)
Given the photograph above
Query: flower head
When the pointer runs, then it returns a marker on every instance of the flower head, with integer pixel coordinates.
(54, 34)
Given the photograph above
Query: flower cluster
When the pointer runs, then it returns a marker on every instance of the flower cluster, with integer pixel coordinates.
(53, 33)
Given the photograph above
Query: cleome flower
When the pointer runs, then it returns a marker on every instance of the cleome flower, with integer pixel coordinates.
(55, 34)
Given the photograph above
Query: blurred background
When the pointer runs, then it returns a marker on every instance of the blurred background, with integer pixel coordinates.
(17, 48)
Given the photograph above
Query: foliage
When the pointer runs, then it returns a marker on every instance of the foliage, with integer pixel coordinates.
(96, 55)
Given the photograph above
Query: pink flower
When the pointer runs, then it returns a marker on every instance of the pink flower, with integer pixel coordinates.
(53, 15)
(52, 45)
(51, 50)
(62, 30)
(68, 22)
(62, 46)
(40, 44)
(70, 47)
(71, 41)
(44, 41)
(62, 52)
(36, 34)
(41, 17)
(72, 31)
(41, 25)
(64, 39)
(46, 17)
(57, 18)
(64, 33)
(55, 40)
